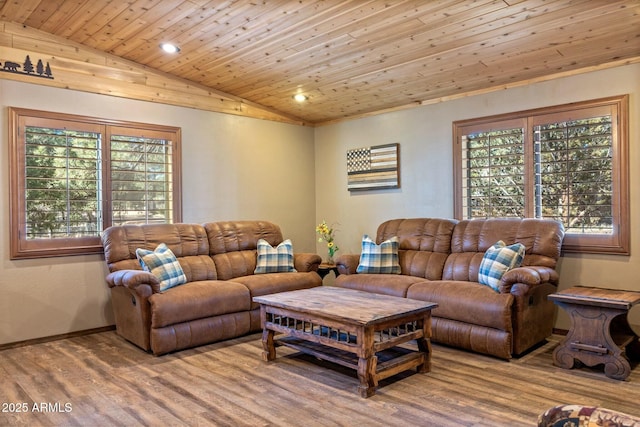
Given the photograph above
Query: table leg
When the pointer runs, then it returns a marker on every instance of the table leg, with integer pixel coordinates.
(590, 340)
(562, 357)
(268, 345)
(424, 345)
(367, 363)
(367, 375)
(618, 368)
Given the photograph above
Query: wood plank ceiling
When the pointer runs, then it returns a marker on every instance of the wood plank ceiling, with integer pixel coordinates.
(350, 58)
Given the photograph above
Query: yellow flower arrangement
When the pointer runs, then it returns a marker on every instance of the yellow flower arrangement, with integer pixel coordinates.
(326, 234)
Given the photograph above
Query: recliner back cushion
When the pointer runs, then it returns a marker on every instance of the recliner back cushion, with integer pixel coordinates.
(424, 244)
(235, 264)
(422, 264)
(542, 239)
(188, 242)
(232, 245)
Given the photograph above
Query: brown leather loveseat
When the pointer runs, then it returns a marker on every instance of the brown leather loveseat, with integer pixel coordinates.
(218, 260)
(439, 261)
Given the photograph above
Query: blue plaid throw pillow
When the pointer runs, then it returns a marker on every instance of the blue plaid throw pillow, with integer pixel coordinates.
(163, 264)
(382, 258)
(274, 260)
(497, 260)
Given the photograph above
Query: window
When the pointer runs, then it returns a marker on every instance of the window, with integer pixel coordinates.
(73, 176)
(566, 162)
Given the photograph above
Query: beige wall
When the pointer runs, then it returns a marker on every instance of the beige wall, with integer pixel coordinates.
(426, 168)
(233, 168)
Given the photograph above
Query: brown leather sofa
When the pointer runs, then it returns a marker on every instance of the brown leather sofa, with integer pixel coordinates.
(218, 259)
(440, 259)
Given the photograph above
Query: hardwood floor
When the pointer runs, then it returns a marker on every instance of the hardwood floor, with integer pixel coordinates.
(100, 379)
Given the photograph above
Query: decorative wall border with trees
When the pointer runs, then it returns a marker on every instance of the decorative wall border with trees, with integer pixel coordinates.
(40, 70)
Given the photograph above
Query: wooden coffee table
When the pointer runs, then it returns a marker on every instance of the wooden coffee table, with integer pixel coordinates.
(359, 330)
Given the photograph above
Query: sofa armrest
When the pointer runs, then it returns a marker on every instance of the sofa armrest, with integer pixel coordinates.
(305, 262)
(347, 263)
(133, 279)
(530, 276)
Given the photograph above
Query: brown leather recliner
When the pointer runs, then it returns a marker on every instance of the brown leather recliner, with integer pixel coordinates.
(440, 260)
(218, 259)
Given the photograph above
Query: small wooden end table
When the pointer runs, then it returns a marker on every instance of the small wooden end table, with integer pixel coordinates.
(359, 330)
(600, 331)
(326, 268)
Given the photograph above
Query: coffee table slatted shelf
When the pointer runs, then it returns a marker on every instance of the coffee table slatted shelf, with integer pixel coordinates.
(390, 362)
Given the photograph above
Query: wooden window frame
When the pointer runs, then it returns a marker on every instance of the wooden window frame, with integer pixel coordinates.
(618, 242)
(20, 246)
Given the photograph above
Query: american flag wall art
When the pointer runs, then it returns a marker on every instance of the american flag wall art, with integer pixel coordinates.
(370, 168)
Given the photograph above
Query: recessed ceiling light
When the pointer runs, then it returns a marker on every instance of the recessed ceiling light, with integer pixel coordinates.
(170, 48)
(300, 97)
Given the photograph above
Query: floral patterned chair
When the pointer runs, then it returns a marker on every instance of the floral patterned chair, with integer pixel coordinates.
(585, 416)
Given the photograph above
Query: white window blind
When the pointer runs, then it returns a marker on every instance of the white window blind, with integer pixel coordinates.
(493, 174)
(575, 172)
(141, 180)
(62, 188)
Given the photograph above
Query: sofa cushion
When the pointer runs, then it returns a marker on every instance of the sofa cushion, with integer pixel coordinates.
(197, 300)
(497, 260)
(423, 244)
(382, 258)
(185, 240)
(274, 260)
(419, 234)
(233, 245)
(231, 236)
(541, 237)
(425, 264)
(163, 264)
(387, 284)
(468, 302)
(263, 284)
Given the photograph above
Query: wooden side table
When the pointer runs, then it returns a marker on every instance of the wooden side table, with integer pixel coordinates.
(324, 269)
(600, 331)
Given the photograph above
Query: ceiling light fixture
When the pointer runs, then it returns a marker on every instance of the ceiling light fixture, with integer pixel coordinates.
(170, 48)
(300, 97)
